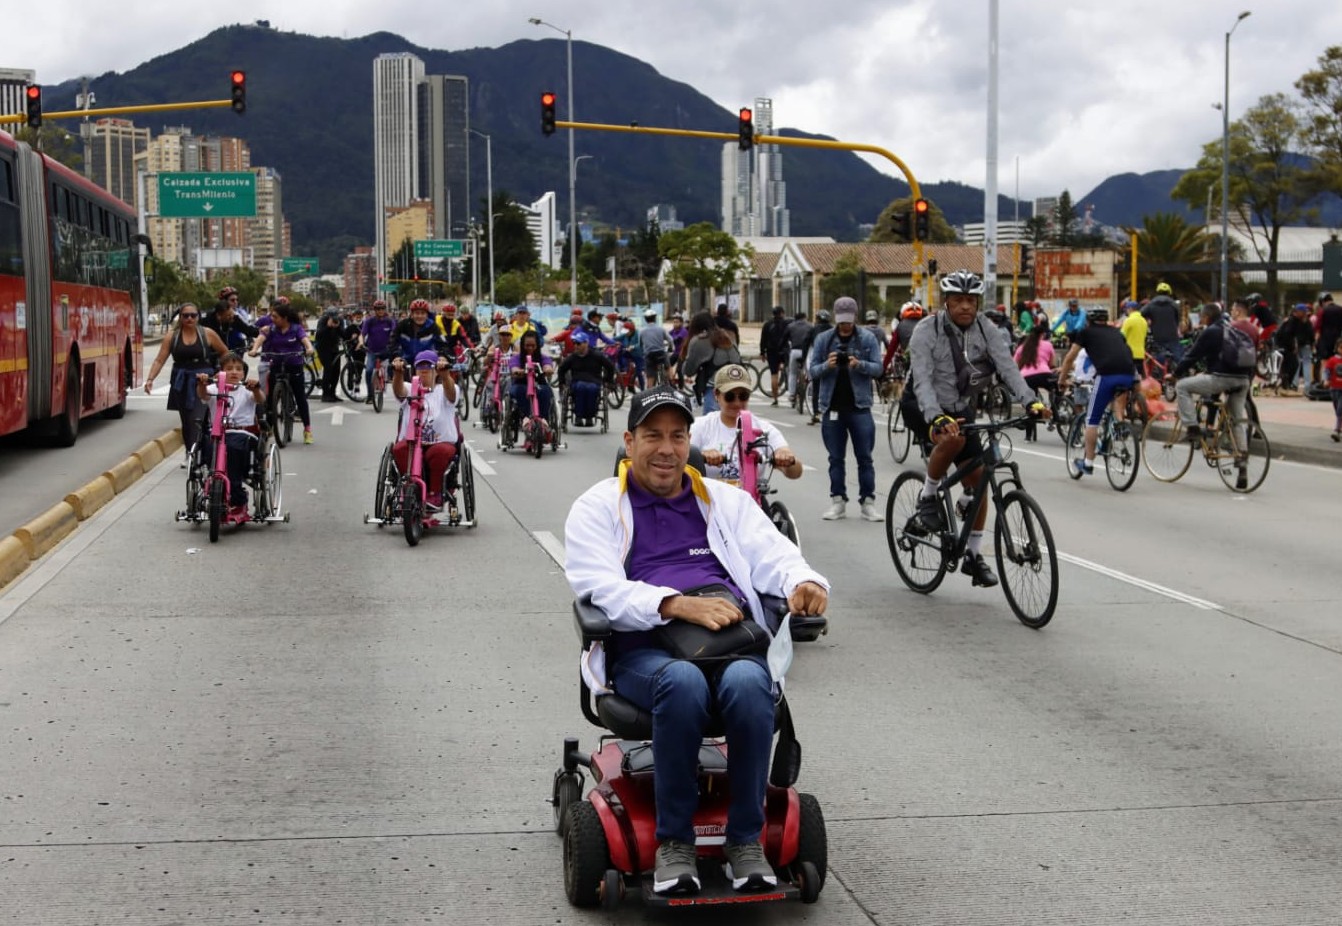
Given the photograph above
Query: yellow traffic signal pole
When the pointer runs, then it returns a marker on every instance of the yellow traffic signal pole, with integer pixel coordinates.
(119, 111)
(918, 263)
(1132, 290)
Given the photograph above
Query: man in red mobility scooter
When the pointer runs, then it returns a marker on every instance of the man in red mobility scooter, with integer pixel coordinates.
(668, 568)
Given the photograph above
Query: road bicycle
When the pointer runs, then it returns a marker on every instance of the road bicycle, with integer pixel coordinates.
(351, 373)
(1027, 560)
(403, 498)
(626, 378)
(281, 409)
(378, 395)
(1119, 442)
(658, 370)
(208, 487)
(1159, 365)
(1238, 450)
(801, 396)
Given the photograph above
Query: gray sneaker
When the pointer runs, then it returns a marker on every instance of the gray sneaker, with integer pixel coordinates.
(676, 871)
(837, 509)
(748, 868)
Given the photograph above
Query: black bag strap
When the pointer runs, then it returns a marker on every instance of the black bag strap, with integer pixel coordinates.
(786, 766)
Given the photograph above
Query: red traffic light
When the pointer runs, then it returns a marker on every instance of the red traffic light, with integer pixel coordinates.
(921, 220)
(33, 94)
(920, 206)
(547, 113)
(239, 81)
(547, 99)
(745, 132)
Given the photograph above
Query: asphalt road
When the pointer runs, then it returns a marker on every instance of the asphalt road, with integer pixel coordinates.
(313, 723)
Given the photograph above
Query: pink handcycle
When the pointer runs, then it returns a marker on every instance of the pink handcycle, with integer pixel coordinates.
(538, 432)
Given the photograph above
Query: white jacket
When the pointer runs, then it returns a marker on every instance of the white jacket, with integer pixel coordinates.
(599, 533)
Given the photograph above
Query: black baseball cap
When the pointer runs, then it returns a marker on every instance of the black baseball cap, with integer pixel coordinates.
(649, 400)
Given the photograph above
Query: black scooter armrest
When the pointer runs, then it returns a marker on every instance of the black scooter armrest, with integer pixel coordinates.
(775, 606)
(591, 621)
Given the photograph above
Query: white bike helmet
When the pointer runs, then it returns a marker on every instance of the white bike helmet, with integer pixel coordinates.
(962, 281)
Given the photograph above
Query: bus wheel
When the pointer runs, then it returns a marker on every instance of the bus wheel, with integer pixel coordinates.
(67, 423)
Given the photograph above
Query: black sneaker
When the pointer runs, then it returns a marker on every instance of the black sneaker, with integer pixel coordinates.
(748, 868)
(1193, 432)
(1241, 477)
(978, 569)
(927, 519)
(676, 869)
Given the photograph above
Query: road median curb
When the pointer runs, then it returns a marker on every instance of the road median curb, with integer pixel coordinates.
(27, 544)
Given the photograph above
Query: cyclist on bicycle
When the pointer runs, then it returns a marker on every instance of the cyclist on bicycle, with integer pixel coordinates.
(774, 349)
(376, 340)
(419, 332)
(798, 336)
(453, 332)
(1162, 313)
(1071, 320)
(236, 334)
(631, 350)
(656, 345)
(584, 371)
(439, 432)
(1109, 352)
(283, 336)
(241, 435)
(910, 314)
(715, 432)
(1135, 328)
(950, 355)
(1220, 376)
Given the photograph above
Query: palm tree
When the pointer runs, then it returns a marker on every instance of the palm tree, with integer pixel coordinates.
(1168, 238)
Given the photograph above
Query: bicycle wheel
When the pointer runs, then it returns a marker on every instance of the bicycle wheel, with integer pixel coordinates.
(1243, 468)
(216, 506)
(464, 397)
(412, 512)
(615, 395)
(1027, 560)
(385, 492)
(312, 377)
(536, 437)
(195, 490)
(467, 479)
(783, 520)
(762, 381)
(1165, 447)
(920, 560)
(899, 437)
(379, 387)
(1124, 456)
(563, 410)
(1074, 447)
(351, 378)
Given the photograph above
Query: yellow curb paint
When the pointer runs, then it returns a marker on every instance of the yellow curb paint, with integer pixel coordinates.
(47, 529)
(13, 559)
(123, 475)
(150, 455)
(91, 496)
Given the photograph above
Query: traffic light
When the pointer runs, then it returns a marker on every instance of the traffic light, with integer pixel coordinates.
(745, 131)
(33, 94)
(922, 214)
(900, 225)
(931, 266)
(547, 113)
(239, 92)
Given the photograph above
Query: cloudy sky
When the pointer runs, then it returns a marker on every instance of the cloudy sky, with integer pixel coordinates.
(1087, 89)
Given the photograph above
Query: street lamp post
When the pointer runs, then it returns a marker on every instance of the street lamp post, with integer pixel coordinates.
(489, 183)
(1225, 170)
(572, 168)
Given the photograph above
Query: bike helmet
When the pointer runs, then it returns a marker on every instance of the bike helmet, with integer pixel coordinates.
(227, 291)
(1164, 289)
(871, 316)
(650, 315)
(911, 310)
(823, 315)
(449, 309)
(499, 316)
(1097, 316)
(380, 305)
(1073, 303)
(419, 304)
(962, 281)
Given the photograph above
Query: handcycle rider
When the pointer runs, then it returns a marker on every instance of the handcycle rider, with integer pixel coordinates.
(951, 355)
(636, 545)
(714, 433)
(241, 435)
(439, 432)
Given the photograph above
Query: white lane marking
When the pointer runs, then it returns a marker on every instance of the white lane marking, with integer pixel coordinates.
(1200, 603)
(481, 467)
(781, 424)
(808, 468)
(338, 415)
(1017, 448)
(552, 545)
(51, 565)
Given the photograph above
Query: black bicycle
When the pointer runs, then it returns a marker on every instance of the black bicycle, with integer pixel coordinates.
(1027, 559)
(281, 406)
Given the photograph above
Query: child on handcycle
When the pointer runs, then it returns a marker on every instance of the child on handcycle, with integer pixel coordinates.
(241, 435)
(439, 432)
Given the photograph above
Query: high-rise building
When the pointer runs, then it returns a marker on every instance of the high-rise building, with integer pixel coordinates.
(164, 154)
(664, 215)
(396, 79)
(110, 156)
(444, 153)
(268, 228)
(754, 194)
(544, 227)
(410, 223)
(13, 82)
(360, 278)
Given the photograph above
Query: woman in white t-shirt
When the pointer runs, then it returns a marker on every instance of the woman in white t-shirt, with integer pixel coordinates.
(439, 431)
(715, 432)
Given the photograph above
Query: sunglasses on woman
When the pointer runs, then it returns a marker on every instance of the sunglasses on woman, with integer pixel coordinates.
(736, 396)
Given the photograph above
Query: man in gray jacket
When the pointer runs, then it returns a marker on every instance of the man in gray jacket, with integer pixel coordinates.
(951, 356)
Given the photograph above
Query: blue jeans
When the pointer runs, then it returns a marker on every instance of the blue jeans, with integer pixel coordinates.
(585, 397)
(835, 429)
(522, 404)
(681, 698)
(710, 400)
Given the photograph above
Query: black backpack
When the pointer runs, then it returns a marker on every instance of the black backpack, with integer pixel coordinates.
(1239, 357)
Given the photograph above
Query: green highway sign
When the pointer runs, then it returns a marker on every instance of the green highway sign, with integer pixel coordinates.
(432, 248)
(207, 195)
(386, 287)
(299, 265)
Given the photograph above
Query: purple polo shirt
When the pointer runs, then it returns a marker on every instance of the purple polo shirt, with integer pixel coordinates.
(288, 343)
(671, 542)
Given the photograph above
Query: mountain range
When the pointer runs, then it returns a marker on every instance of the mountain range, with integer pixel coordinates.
(310, 115)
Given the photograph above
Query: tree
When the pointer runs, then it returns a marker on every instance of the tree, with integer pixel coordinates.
(1321, 90)
(511, 288)
(1168, 238)
(939, 230)
(325, 292)
(1270, 183)
(847, 280)
(1036, 230)
(589, 290)
(643, 249)
(56, 143)
(171, 285)
(1064, 220)
(703, 257)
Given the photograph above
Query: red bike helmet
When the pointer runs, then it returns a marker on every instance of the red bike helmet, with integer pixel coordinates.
(419, 304)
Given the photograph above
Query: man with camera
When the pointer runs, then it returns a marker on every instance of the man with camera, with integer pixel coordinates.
(844, 362)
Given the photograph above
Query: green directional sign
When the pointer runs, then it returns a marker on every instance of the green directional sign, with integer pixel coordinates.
(208, 195)
(432, 248)
(299, 265)
(386, 287)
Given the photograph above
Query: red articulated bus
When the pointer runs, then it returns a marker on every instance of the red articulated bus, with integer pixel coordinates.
(71, 309)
